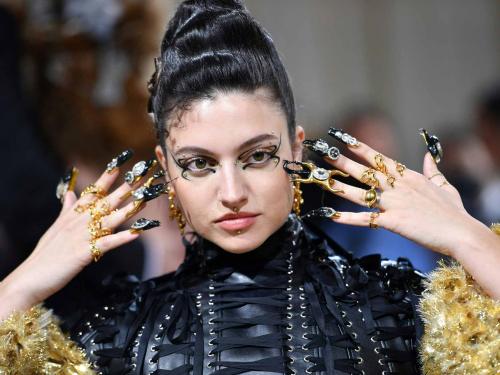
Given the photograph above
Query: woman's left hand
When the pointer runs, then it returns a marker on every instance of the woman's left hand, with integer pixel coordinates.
(423, 207)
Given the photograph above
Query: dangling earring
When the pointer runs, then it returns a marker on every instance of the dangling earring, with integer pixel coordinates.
(174, 212)
(297, 198)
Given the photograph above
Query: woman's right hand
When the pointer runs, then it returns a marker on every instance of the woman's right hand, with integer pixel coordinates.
(64, 250)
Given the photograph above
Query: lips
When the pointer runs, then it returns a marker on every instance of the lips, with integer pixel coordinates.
(239, 221)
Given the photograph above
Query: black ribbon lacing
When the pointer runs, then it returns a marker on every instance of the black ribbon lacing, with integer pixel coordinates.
(265, 292)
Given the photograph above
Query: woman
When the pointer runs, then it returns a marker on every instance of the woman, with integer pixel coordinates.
(259, 291)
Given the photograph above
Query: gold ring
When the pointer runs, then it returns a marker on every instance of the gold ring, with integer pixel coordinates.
(368, 177)
(95, 251)
(373, 216)
(371, 197)
(400, 168)
(381, 167)
(95, 190)
(443, 183)
(435, 175)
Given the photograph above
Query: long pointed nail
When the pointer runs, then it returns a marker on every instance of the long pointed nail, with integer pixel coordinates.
(139, 170)
(322, 148)
(296, 168)
(118, 161)
(343, 137)
(147, 193)
(66, 183)
(433, 145)
(143, 224)
(323, 213)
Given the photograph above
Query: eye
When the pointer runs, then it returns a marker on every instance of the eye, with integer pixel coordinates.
(198, 164)
(259, 156)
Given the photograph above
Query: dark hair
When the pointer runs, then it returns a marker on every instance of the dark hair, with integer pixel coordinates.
(215, 46)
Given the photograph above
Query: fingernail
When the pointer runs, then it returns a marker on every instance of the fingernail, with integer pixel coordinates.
(343, 137)
(158, 174)
(147, 193)
(322, 148)
(119, 161)
(323, 213)
(143, 224)
(296, 168)
(139, 170)
(66, 183)
(433, 145)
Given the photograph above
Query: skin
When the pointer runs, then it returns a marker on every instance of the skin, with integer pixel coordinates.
(419, 206)
(264, 189)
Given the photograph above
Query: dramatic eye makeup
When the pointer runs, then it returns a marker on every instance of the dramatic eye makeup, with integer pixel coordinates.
(198, 162)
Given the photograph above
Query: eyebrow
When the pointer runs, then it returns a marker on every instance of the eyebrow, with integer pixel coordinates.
(247, 143)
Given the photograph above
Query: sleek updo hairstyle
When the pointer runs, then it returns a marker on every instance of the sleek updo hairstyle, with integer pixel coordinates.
(214, 46)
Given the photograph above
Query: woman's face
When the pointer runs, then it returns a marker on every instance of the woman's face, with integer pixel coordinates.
(225, 156)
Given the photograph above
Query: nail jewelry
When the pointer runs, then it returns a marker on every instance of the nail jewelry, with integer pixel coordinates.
(66, 183)
(311, 174)
(433, 145)
(323, 213)
(322, 148)
(147, 193)
(119, 161)
(139, 170)
(343, 137)
(143, 224)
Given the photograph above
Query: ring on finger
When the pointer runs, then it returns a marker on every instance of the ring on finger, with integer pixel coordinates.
(443, 183)
(373, 217)
(435, 175)
(369, 178)
(381, 167)
(371, 197)
(93, 189)
(400, 168)
(95, 251)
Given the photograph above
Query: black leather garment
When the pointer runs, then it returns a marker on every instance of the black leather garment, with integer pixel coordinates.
(298, 304)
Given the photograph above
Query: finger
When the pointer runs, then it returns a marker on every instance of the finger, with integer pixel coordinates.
(69, 200)
(368, 154)
(360, 219)
(352, 193)
(431, 171)
(103, 183)
(118, 217)
(356, 169)
(115, 240)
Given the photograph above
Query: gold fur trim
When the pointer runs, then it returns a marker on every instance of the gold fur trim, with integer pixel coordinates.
(462, 325)
(31, 343)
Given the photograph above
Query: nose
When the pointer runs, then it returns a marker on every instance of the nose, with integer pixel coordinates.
(233, 191)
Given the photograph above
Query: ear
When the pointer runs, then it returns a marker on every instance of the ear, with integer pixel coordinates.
(297, 146)
(160, 156)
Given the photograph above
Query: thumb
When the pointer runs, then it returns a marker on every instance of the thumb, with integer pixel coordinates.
(431, 171)
(69, 200)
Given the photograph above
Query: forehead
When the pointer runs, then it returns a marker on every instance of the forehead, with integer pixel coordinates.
(227, 120)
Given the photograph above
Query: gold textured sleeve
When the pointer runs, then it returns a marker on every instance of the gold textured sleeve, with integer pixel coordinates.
(462, 324)
(33, 343)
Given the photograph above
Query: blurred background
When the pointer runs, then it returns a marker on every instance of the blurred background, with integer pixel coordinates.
(73, 92)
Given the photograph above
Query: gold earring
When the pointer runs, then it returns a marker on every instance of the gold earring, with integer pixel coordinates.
(297, 198)
(174, 212)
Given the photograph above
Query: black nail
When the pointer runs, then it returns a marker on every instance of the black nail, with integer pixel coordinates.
(297, 168)
(322, 148)
(146, 193)
(433, 145)
(66, 183)
(322, 212)
(343, 137)
(119, 160)
(139, 170)
(143, 224)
